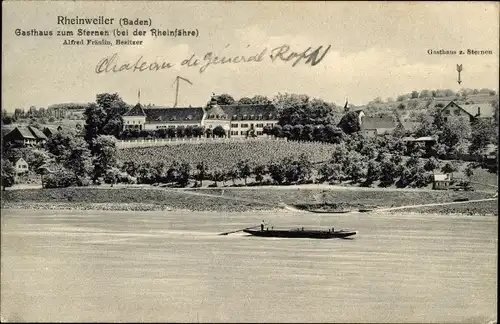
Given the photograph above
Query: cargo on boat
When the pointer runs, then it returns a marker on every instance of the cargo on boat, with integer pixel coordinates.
(301, 233)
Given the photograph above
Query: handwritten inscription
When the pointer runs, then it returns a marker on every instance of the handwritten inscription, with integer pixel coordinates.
(283, 53)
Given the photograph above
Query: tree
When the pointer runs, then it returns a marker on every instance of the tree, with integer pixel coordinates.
(224, 99)
(104, 117)
(259, 171)
(350, 123)
(425, 94)
(219, 131)
(355, 166)
(431, 164)
(307, 132)
(197, 131)
(8, 174)
(388, 172)
(260, 100)
(94, 122)
(373, 171)
(105, 154)
(483, 133)
(449, 168)
(188, 131)
(202, 171)
(244, 170)
(217, 175)
(469, 171)
(180, 131)
(184, 173)
(277, 131)
(245, 101)
(455, 134)
(277, 172)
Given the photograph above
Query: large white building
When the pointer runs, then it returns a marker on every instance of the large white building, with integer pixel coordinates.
(236, 119)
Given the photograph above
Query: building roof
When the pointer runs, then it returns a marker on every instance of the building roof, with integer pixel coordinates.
(23, 132)
(20, 160)
(441, 177)
(239, 111)
(410, 125)
(37, 133)
(137, 110)
(216, 110)
(377, 122)
(173, 115)
(485, 110)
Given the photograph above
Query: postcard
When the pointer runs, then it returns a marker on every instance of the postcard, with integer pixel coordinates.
(249, 161)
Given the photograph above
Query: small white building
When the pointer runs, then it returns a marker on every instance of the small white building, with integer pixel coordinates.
(21, 166)
(441, 181)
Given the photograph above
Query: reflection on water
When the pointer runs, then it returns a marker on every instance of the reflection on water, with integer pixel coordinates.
(152, 266)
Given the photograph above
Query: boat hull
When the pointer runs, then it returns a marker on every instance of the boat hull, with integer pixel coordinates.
(301, 234)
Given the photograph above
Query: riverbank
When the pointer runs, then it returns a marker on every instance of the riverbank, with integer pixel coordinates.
(148, 198)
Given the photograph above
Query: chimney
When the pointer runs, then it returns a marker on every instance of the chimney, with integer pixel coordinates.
(478, 111)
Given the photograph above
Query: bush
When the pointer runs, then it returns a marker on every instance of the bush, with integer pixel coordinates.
(61, 178)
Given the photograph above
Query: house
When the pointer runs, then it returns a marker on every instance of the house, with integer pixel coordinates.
(471, 111)
(25, 136)
(238, 119)
(441, 181)
(21, 166)
(235, 119)
(377, 126)
(54, 129)
(140, 118)
(371, 126)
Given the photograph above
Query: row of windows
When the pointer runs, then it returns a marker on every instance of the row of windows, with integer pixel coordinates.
(251, 125)
(172, 126)
(456, 111)
(245, 133)
(244, 117)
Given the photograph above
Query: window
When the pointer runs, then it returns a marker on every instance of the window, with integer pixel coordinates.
(235, 117)
(217, 116)
(447, 112)
(242, 133)
(234, 132)
(269, 124)
(457, 112)
(171, 126)
(133, 121)
(260, 117)
(234, 125)
(260, 125)
(252, 117)
(270, 116)
(259, 133)
(244, 125)
(244, 117)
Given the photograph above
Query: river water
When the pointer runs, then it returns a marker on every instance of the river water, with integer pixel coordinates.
(173, 267)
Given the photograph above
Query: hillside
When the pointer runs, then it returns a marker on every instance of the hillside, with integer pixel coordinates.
(225, 155)
(408, 108)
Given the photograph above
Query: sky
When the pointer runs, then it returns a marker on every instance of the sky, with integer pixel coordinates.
(377, 49)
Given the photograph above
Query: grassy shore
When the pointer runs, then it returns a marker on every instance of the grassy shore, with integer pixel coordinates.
(237, 200)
